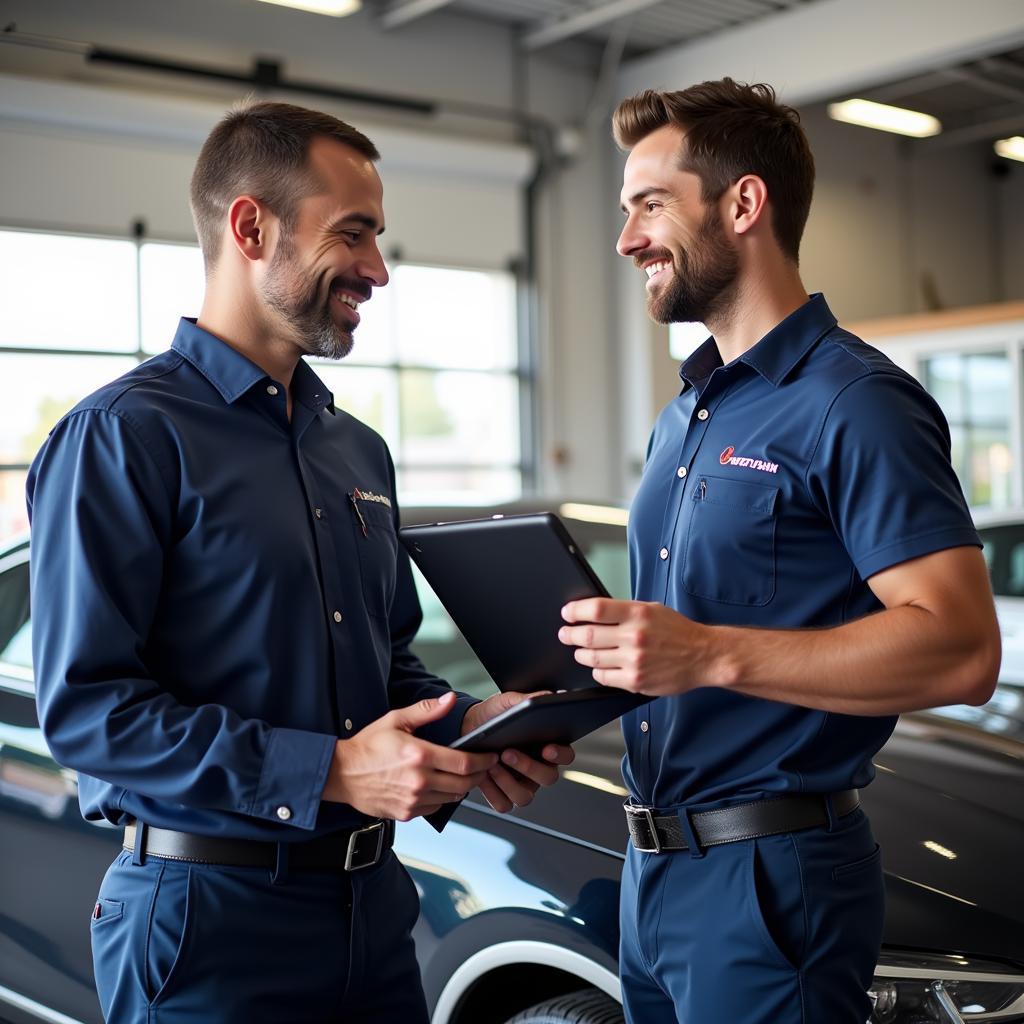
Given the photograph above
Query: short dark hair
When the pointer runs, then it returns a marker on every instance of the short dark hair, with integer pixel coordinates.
(732, 129)
(261, 149)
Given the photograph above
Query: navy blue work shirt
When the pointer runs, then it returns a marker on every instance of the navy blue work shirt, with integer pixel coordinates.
(774, 488)
(218, 595)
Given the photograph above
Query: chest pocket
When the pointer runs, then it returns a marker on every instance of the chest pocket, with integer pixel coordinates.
(378, 552)
(730, 544)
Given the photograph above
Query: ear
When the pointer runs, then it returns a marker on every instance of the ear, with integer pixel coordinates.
(247, 225)
(749, 203)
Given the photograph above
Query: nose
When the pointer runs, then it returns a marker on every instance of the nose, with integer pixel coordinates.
(631, 240)
(372, 268)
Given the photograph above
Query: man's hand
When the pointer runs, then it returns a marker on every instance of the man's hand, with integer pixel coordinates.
(505, 789)
(640, 646)
(386, 772)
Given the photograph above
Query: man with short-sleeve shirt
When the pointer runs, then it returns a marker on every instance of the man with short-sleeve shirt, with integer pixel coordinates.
(804, 568)
(222, 620)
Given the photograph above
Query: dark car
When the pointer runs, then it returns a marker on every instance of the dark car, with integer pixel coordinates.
(519, 912)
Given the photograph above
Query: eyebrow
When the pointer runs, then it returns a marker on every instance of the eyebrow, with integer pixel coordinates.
(644, 193)
(358, 218)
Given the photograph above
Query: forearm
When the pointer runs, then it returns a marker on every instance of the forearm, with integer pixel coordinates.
(899, 659)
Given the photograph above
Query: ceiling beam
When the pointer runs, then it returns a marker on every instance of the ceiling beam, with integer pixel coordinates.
(979, 81)
(401, 12)
(882, 42)
(997, 127)
(999, 65)
(563, 28)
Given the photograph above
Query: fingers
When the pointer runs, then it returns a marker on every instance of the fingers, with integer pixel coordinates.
(538, 772)
(590, 636)
(597, 609)
(447, 786)
(495, 797)
(457, 762)
(516, 788)
(422, 712)
(556, 754)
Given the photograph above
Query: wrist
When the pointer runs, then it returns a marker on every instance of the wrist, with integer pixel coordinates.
(335, 790)
(722, 657)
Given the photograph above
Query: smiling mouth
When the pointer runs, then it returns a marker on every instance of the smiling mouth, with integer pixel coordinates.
(350, 302)
(654, 270)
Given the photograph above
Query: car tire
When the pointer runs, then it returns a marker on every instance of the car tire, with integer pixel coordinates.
(587, 1006)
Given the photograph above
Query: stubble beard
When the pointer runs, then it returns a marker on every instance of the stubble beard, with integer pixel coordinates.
(301, 309)
(703, 283)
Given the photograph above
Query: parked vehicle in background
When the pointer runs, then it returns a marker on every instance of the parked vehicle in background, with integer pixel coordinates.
(519, 916)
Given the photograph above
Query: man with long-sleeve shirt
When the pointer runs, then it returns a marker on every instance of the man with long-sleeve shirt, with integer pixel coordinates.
(222, 622)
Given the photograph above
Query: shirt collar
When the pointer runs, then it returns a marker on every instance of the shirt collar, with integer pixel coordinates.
(777, 353)
(232, 374)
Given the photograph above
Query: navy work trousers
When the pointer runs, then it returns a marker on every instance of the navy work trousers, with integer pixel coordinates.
(175, 942)
(783, 929)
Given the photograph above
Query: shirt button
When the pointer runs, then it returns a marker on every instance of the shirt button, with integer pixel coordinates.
(644, 727)
(702, 414)
(284, 813)
(663, 554)
(337, 616)
(271, 389)
(681, 472)
(348, 724)
(318, 512)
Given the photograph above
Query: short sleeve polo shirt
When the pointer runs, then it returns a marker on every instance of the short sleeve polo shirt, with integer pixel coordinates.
(774, 488)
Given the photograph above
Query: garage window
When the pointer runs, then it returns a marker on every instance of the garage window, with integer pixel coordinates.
(975, 392)
(436, 367)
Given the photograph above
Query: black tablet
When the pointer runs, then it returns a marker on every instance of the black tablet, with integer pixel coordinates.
(504, 581)
(550, 718)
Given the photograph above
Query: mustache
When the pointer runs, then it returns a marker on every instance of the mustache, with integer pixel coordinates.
(360, 289)
(651, 254)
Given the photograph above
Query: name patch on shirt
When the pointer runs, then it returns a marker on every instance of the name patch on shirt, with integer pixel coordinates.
(730, 458)
(381, 499)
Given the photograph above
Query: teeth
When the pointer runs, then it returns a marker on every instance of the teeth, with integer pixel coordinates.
(655, 268)
(349, 301)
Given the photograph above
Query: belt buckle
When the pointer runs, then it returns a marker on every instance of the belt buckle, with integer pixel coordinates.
(353, 860)
(649, 816)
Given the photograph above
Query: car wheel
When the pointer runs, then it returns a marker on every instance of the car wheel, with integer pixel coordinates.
(584, 1007)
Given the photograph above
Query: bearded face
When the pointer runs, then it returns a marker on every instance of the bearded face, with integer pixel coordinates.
(317, 312)
(702, 280)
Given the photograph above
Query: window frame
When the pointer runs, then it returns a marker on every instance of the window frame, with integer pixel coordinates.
(523, 372)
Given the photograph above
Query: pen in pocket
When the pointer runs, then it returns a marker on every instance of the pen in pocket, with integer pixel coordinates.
(354, 498)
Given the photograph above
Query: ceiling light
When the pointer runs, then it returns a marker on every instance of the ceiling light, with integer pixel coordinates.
(885, 118)
(335, 8)
(1012, 148)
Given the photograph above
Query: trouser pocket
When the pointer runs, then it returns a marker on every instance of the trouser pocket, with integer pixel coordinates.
(169, 929)
(776, 898)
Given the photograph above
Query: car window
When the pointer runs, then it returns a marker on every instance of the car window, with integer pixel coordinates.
(15, 624)
(1004, 555)
(1015, 576)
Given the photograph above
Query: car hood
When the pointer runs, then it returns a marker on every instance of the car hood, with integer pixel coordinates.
(947, 807)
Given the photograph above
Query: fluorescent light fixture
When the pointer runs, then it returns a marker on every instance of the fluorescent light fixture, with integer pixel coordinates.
(335, 8)
(885, 118)
(1012, 148)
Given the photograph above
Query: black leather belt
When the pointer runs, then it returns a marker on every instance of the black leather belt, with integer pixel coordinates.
(340, 851)
(653, 833)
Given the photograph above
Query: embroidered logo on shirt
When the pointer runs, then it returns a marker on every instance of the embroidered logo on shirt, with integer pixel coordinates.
(381, 499)
(729, 458)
